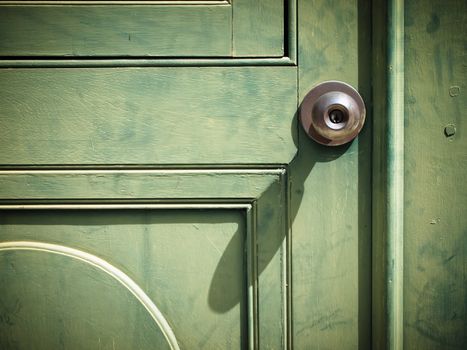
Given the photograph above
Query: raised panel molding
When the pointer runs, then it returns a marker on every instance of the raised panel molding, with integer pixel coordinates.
(260, 194)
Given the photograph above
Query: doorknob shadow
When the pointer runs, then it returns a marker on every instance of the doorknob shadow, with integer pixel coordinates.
(222, 295)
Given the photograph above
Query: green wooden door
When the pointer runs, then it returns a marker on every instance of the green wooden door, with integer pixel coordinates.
(156, 190)
(157, 144)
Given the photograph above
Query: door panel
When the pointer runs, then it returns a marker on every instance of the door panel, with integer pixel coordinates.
(206, 247)
(171, 254)
(147, 115)
(143, 28)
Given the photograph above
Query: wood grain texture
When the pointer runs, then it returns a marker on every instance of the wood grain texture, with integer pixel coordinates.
(435, 244)
(171, 255)
(395, 158)
(379, 176)
(258, 23)
(331, 189)
(241, 29)
(85, 301)
(146, 62)
(147, 116)
(185, 233)
(118, 30)
(137, 184)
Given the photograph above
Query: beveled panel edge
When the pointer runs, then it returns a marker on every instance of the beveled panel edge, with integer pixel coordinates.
(286, 252)
(115, 2)
(249, 208)
(144, 62)
(117, 206)
(107, 268)
(265, 171)
(252, 277)
(291, 32)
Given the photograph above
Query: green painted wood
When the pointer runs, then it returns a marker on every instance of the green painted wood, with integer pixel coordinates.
(395, 175)
(189, 257)
(51, 301)
(147, 62)
(147, 116)
(379, 177)
(172, 255)
(435, 239)
(139, 184)
(258, 22)
(331, 189)
(118, 29)
(115, 30)
(226, 223)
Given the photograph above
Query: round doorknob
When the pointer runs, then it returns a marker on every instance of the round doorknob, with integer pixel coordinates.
(332, 113)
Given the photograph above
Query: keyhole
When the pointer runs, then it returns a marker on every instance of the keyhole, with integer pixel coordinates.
(336, 116)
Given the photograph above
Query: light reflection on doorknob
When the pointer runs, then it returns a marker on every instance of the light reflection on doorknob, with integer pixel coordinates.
(332, 113)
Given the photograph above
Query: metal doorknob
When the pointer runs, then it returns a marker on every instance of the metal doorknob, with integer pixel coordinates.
(332, 113)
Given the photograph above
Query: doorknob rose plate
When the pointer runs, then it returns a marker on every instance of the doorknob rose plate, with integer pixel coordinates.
(332, 113)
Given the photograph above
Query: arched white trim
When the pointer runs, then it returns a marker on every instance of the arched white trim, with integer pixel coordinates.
(109, 269)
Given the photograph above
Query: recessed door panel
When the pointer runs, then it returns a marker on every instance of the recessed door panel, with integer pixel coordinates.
(240, 28)
(172, 255)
